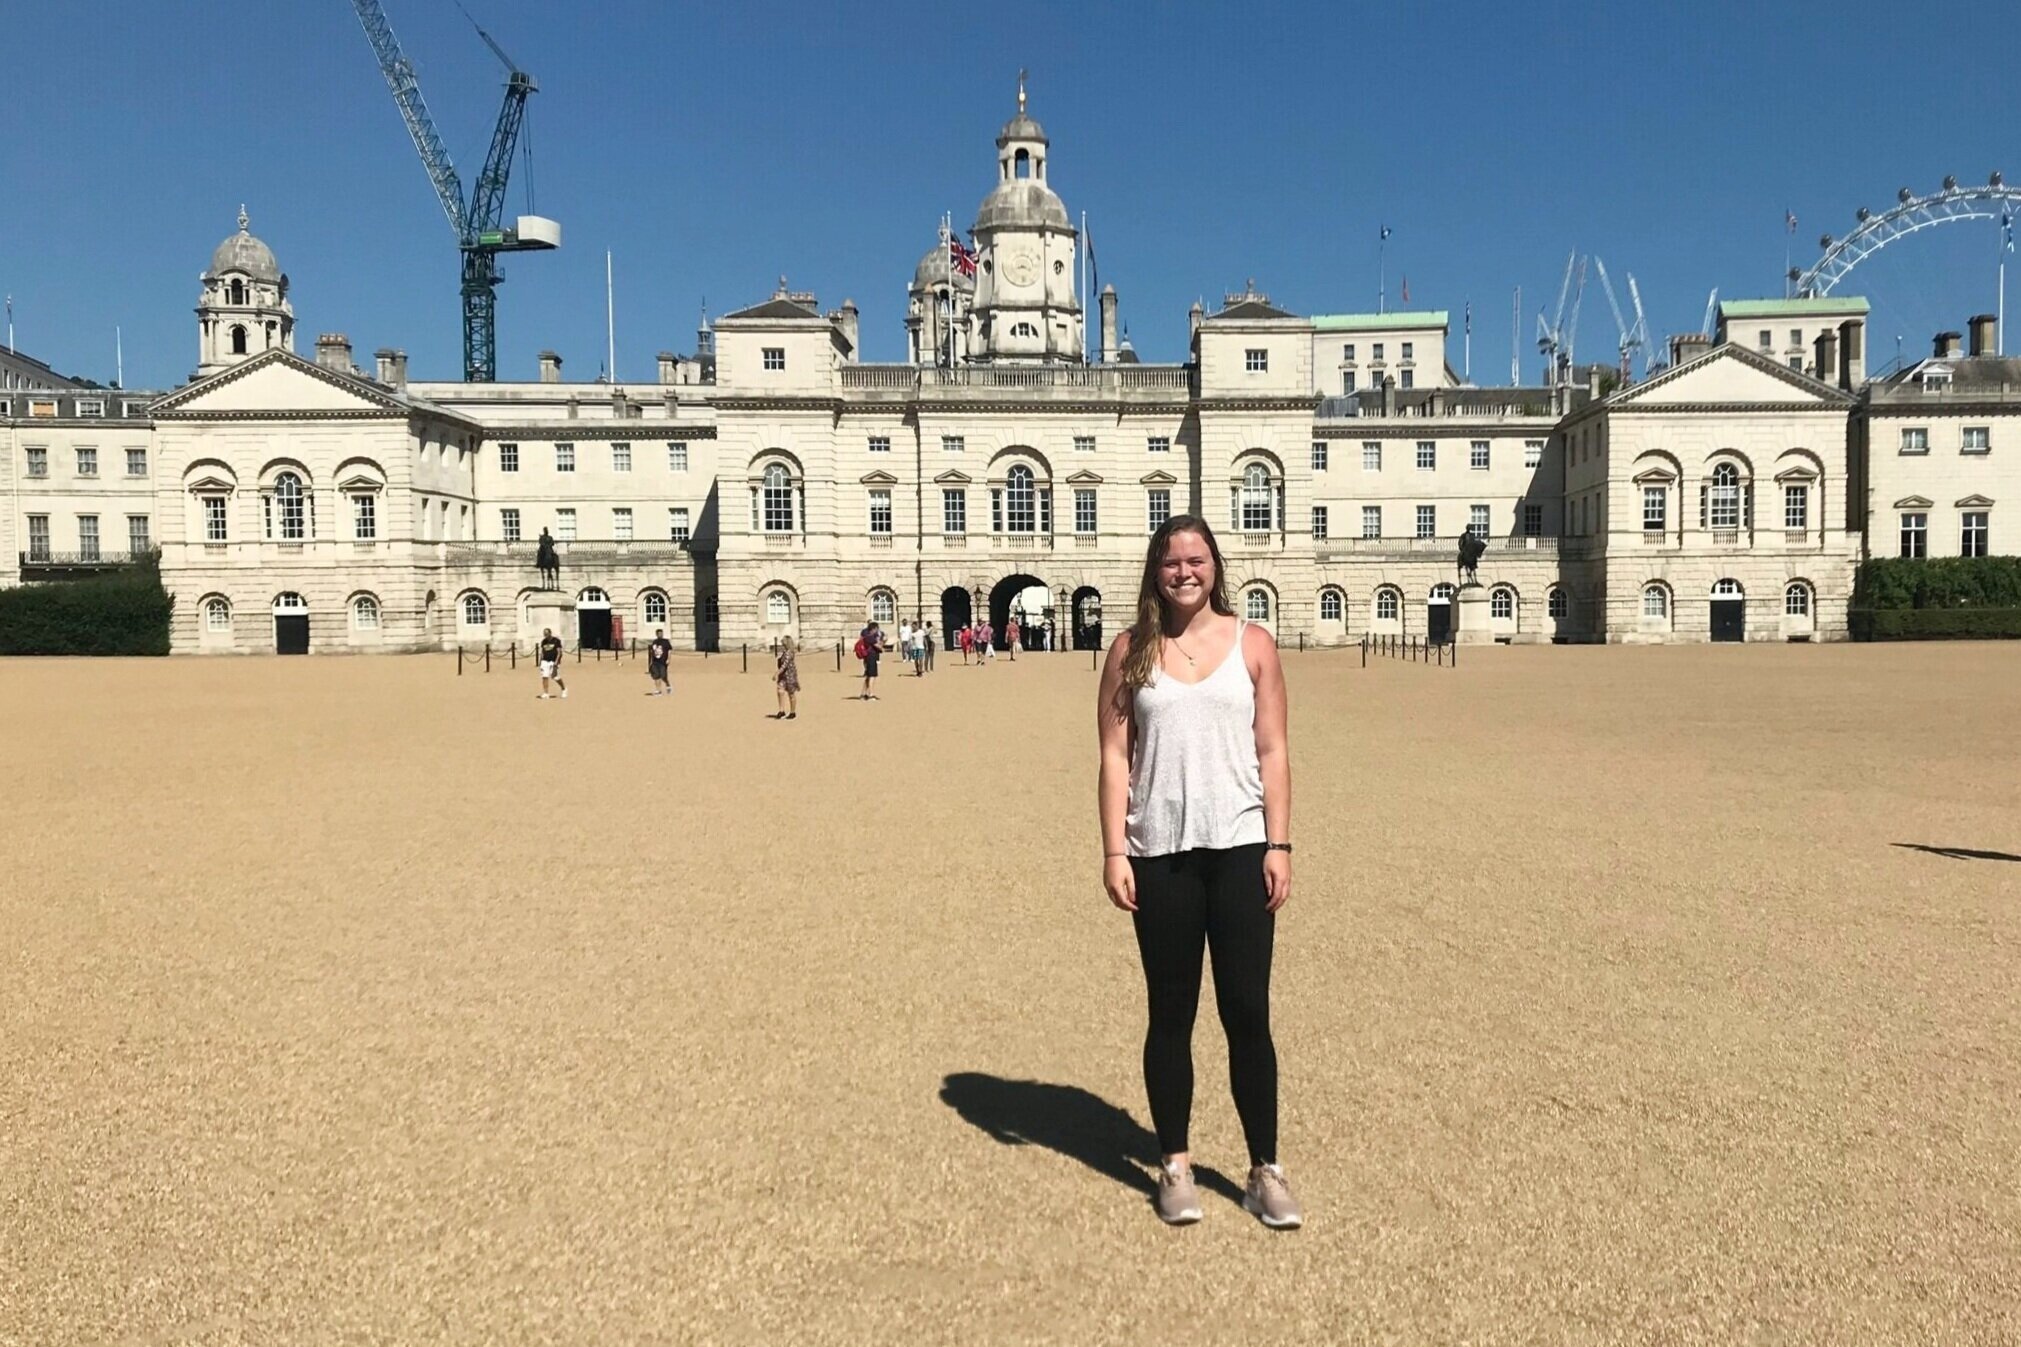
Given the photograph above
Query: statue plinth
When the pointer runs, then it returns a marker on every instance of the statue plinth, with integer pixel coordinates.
(550, 608)
(1472, 625)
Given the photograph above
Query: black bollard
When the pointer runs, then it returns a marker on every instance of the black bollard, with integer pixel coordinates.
(838, 657)
(459, 661)
(747, 648)
(487, 657)
(512, 656)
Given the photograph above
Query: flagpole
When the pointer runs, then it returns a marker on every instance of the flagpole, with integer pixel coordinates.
(610, 318)
(1467, 366)
(1087, 357)
(119, 357)
(1382, 271)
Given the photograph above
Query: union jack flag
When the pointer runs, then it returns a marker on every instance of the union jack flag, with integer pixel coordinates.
(962, 257)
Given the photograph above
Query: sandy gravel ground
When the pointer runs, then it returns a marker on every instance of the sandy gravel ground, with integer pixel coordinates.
(347, 1001)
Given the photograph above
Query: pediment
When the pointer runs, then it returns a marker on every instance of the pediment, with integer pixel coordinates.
(211, 485)
(278, 383)
(879, 478)
(1975, 502)
(1800, 473)
(1084, 478)
(1914, 503)
(1656, 474)
(1159, 478)
(955, 477)
(1730, 375)
(360, 482)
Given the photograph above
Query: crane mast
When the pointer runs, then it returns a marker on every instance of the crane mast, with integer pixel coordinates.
(479, 222)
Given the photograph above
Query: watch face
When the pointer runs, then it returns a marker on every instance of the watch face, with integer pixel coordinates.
(1020, 266)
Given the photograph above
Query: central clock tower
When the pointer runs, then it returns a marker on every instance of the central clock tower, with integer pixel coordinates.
(1027, 307)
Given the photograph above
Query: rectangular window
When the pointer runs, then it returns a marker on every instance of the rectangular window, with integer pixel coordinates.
(880, 511)
(1915, 535)
(364, 517)
(1256, 360)
(1767, 340)
(1973, 533)
(1347, 350)
(564, 524)
(953, 510)
(1158, 508)
(1477, 455)
(139, 536)
(1084, 444)
(880, 444)
(621, 456)
(1409, 378)
(1533, 453)
(38, 462)
(214, 519)
(1477, 520)
(677, 456)
(678, 528)
(1915, 439)
(508, 524)
(133, 409)
(87, 537)
(508, 458)
(1428, 521)
(1796, 363)
(1371, 521)
(37, 407)
(1084, 509)
(1978, 440)
(1407, 350)
(775, 357)
(1428, 455)
(1375, 350)
(38, 537)
(564, 458)
(87, 462)
(1319, 455)
(1319, 521)
(1655, 508)
(90, 407)
(1159, 444)
(1533, 518)
(621, 523)
(1371, 455)
(952, 444)
(136, 463)
(1796, 506)
(1347, 384)
(1796, 336)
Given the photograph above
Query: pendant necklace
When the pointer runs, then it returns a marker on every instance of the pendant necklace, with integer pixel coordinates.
(1182, 650)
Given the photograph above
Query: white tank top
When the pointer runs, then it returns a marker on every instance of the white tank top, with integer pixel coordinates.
(1195, 781)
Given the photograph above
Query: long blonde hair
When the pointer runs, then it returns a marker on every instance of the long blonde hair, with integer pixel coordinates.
(1147, 634)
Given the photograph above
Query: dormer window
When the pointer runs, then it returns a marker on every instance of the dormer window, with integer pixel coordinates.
(1936, 379)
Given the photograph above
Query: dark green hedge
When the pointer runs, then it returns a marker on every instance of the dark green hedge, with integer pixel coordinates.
(123, 612)
(1937, 598)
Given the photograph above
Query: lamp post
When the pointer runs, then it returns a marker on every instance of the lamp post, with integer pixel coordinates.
(1063, 621)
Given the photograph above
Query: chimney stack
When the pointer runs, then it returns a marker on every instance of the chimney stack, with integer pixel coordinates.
(333, 352)
(392, 367)
(847, 320)
(1852, 353)
(1688, 346)
(1193, 317)
(1108, 324)
(1985, 333)
(1827, 346)
(1946, 345)
(670, 368)
(550, 367)
(1388, 397)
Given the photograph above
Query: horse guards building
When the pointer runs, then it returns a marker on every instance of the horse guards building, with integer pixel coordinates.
(771, 483)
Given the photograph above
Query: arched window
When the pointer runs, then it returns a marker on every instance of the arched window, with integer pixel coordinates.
(238, 339)
(655, 608)
(237, 295)
(1256, 499)
(1556, 603)
(594, 595)
(289, 518)
(1728, 589)
(217, 615)
(1442, 593)
(1502, 603)
(1796, 599)
(1655, 601)
(778, 606)
(290, 603)
(476, 612)
(1388, 603)
(1332, 606)
(1256, 605)
(1725, 499)
(365, 613)
(778, 499)
(1021, 164)
(1020, 501)
(883, 607)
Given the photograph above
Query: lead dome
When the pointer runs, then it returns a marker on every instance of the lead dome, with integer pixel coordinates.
(935, 270)
(244, 253)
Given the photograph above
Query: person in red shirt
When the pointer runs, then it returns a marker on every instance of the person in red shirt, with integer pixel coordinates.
(967, 639)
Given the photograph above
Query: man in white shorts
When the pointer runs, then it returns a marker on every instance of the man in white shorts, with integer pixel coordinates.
(548, 652)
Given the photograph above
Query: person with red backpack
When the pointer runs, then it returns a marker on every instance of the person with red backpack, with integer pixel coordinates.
(869, 645)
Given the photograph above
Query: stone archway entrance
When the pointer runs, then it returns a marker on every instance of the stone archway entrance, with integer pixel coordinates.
(1087, 614)
(956, 612)
(1024, 595)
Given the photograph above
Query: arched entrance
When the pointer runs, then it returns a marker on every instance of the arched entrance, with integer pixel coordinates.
(955, 613)
(1025, 595)
(593, 619)
(291, 624)
(1729, 611)
(1087, 618)
(1439, 615)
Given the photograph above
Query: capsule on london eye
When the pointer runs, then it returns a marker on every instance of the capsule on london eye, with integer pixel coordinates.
(1824, 240)
(1995, 180)
(1950, 182)
(1862, 214)
(1904, 196)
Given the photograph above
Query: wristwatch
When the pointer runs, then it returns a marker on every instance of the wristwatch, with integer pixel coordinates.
(1284, 847)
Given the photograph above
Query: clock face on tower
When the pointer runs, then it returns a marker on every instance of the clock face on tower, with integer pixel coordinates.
(1020, 264)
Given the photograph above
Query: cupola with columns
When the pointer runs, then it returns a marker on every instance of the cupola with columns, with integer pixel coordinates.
(244, 307)
(1026, 307)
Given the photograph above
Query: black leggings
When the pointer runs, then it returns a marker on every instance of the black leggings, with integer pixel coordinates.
(1186, 902)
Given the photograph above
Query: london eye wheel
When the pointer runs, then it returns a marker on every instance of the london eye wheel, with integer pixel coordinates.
(1911, 214)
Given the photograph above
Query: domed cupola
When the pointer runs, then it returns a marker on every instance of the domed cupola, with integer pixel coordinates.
(937, 304)
(244, 307)
(1026, 301)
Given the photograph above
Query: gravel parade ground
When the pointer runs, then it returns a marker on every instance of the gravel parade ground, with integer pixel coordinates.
(1625, 995)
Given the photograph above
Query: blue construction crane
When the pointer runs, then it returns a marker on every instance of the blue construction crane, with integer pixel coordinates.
(479, 226)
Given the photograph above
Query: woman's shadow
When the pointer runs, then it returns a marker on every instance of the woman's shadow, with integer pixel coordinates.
(1071, 1121)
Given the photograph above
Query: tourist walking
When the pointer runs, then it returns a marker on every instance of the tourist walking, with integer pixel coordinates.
(985, 636)
(1195, 803)
(926, 644)
(915, 650)
(658, 652)
(548, 655)
(1011, 632)
(904, 640)
(967, 640)
(786, 681)
(869, 645)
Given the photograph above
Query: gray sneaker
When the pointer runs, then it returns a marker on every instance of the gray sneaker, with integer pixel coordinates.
(1178, 1201)
(1268, 1198)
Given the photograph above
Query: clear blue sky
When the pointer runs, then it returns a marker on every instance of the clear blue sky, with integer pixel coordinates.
(714, 147)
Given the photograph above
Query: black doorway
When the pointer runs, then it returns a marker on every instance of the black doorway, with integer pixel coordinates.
(291, 633)
(1729, 619)
(955, 613)
(1439, 621)
(593, 628)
